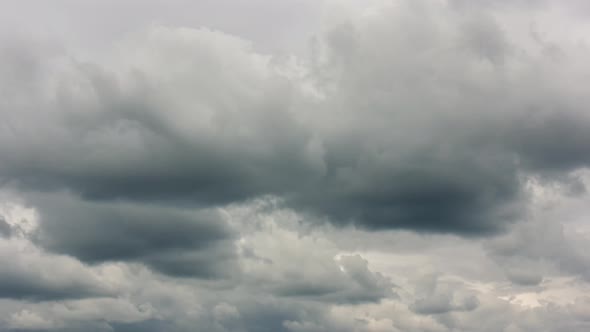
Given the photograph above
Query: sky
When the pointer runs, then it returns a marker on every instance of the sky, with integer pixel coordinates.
(294, 166)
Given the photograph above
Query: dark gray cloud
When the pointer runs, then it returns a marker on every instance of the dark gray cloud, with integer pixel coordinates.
(175, 241)
(19, 286)
(424, 194)
(5, 228)
(219, 149)
(552, 139)
(180, 179)
(419, 145)
(397, 138)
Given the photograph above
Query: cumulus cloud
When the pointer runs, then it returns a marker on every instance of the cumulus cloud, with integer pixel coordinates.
(417, 166)
(549, 243)
(434, 297)
(433, 131)
(278, 261)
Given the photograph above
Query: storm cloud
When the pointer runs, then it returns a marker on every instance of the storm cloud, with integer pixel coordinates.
(388, 137)
(175, 241)
(297, 166)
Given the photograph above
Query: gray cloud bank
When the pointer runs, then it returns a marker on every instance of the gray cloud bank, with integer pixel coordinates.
(434, 130)
(147, 163)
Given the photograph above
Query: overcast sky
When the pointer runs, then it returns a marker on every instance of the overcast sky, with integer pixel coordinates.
(294, 165)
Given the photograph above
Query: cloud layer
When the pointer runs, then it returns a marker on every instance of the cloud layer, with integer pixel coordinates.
(378, 166)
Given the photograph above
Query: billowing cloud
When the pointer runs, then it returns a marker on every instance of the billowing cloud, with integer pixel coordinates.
(175, 241)
(343, 165)
(276, 260)
(434, 131)
(32, 275)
